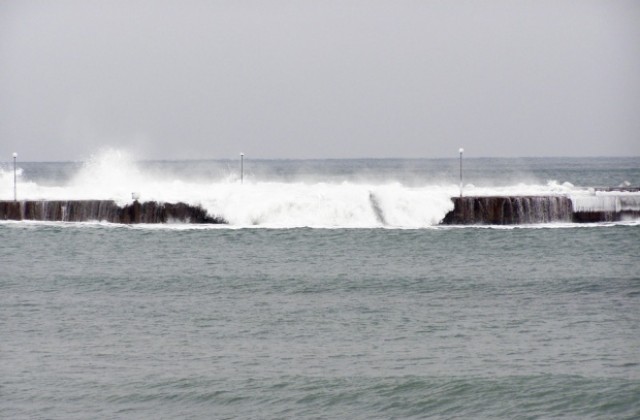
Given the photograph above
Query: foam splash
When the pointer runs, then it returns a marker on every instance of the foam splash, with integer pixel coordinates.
(113, 174)
(275, 204)
(606, 202)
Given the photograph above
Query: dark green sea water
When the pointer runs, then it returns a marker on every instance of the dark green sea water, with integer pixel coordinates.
(113, 321)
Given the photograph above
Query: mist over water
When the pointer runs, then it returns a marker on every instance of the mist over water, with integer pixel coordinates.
(317, 193)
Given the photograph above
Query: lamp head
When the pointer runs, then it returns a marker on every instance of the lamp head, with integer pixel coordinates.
(461, 150)
(15, 155)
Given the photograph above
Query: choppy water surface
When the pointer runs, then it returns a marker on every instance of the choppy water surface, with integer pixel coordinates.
(102, 321)
(113, 321)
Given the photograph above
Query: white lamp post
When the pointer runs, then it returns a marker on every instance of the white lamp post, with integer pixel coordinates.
(15, 188)
(461, 150)
(241, 168)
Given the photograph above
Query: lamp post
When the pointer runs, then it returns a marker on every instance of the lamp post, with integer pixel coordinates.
(241, 168)
(461, 150)
(15, 188)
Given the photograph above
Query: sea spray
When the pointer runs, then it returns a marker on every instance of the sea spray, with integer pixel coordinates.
(328, 205)
(280, 194)
(113, 174)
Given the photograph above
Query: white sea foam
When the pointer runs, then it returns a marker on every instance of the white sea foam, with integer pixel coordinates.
(321, 204)
(606, 201)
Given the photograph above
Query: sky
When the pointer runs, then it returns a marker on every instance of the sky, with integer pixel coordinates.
(301, 79)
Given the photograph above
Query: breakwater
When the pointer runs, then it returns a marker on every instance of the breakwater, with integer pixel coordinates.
(470, 210)
(105, 210)
(503, 210)
(514, 210)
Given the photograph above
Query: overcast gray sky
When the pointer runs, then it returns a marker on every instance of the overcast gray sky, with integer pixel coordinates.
(319, 79)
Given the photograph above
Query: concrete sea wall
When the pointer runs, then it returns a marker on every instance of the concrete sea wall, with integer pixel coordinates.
(514, 210)
(104, 210)
(490, 210)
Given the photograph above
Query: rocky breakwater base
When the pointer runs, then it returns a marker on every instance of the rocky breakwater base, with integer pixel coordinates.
(515, 210)
(105, 211)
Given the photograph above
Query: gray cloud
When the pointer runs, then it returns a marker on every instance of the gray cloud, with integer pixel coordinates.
(307, 79)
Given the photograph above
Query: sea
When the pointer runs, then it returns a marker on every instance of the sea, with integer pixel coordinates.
(307, 304)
